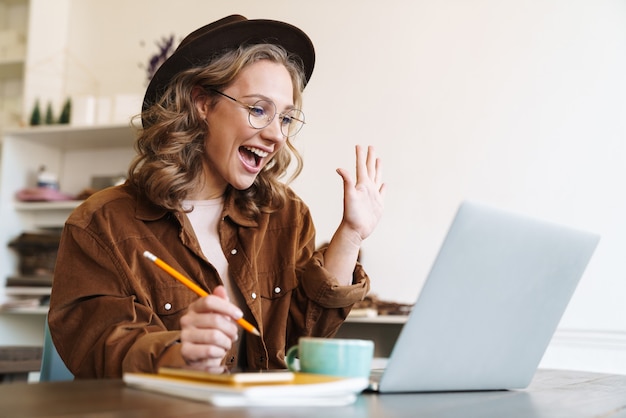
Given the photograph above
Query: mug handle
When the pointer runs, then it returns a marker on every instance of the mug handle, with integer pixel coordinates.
(290, 358)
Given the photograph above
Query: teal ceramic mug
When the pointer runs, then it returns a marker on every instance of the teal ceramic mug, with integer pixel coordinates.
(332, 356)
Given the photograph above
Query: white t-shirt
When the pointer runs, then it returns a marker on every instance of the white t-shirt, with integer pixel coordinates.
(205, 218)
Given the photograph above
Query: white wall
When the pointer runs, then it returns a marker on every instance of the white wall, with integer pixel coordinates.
(519, 104)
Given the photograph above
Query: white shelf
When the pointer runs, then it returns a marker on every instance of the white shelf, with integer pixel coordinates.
(47, 206)
(28, 290)
(71, 138)
(46, 215)
(382, 319)
(76, 155)
(36, 310)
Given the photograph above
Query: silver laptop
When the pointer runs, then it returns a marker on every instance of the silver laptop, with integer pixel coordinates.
(490, 305)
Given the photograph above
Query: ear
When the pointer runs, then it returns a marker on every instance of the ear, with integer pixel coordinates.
(201, 101)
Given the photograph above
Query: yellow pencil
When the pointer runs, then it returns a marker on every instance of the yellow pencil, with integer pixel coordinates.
(191, 285)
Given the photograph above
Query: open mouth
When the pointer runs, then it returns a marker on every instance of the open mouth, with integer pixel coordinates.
(252, 156)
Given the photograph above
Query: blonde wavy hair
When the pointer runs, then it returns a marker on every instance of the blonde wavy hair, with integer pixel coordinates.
(170, 146)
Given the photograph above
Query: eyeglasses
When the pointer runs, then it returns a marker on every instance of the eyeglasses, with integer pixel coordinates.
(262, 113)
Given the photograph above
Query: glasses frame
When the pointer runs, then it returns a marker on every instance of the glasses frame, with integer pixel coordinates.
(270, 120)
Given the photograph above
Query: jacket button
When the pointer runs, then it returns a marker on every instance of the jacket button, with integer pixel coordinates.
(168, 306)
(233, 251)
(277, 289)
(253, 295)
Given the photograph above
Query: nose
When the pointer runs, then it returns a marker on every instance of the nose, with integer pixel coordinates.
(273, 131)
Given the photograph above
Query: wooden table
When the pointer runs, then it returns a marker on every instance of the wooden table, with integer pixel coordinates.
(564, 394)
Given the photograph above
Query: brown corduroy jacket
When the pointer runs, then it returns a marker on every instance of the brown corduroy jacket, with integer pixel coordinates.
(113, 311)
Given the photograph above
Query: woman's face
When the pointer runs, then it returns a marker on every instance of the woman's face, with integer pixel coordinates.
(235, 151)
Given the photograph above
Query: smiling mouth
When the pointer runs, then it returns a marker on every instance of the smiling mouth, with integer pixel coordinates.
(252, 156)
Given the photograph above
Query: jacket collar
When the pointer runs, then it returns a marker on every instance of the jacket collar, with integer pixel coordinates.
(148, 211)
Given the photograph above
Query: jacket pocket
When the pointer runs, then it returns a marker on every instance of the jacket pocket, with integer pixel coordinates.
(276, 285)
(171, 302)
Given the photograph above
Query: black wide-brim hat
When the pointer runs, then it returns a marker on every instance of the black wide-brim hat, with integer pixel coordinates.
(200, 46)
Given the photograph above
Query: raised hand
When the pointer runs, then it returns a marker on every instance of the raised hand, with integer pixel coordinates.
(363, 199)
(362, 210)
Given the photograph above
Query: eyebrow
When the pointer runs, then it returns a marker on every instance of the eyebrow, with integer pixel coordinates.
(264, 97)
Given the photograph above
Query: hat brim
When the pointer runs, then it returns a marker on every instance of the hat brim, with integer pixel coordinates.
(199, 51)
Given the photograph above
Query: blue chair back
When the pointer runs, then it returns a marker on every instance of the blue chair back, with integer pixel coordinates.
(52, 367)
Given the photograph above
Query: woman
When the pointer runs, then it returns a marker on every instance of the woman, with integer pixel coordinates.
(204, 195)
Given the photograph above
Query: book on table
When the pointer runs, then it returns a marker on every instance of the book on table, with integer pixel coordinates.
(264, 388)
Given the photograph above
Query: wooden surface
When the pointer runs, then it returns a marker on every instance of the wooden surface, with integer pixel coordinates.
(551, 394)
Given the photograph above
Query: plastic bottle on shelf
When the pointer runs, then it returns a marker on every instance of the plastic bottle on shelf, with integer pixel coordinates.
(47, 179)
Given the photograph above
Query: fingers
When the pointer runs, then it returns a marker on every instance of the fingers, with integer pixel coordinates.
(220, 291)
(214, 350)
(368, 165)
(362, 169)
(372, 162)
(202, 316)
(368, 168)
(207, 366)
(205, 348)
(208, 330)
(347, 178)
(217, 303)
(378, 176)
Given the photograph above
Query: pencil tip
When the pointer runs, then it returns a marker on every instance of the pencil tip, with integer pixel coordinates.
(256, 332)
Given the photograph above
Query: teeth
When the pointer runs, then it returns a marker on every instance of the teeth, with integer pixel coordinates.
(258, 152)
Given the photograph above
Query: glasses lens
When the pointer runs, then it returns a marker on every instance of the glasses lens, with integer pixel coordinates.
(291, 122)
(261, 114)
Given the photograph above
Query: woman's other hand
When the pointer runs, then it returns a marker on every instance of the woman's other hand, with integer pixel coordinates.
(208, 331)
